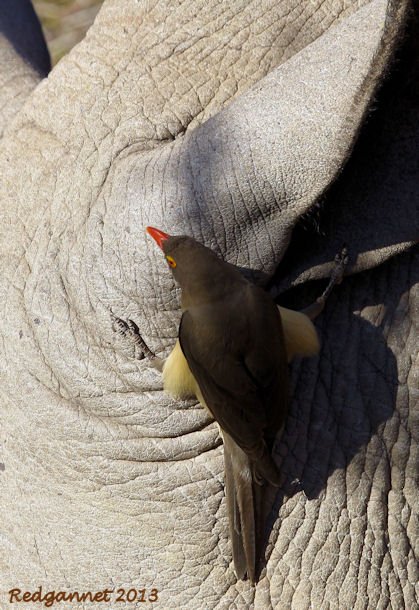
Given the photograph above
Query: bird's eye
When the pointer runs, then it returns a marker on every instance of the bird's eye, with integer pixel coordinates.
(171, 261)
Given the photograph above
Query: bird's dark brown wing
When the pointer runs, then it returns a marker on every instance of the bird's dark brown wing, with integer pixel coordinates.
(230, 393)
(240, 370)
(236, 354)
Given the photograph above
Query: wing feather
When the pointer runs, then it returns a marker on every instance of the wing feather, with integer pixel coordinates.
(236, 354)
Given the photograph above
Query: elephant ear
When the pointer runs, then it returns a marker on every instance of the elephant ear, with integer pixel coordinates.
(373, 206)
(242, 179)
(247, 177)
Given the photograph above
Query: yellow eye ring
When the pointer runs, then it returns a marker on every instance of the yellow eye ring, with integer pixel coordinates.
(171, 261)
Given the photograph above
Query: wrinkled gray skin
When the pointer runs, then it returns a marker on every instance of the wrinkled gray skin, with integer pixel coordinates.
(243, 124)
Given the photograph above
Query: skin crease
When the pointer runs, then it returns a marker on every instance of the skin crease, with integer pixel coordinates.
(274, 133)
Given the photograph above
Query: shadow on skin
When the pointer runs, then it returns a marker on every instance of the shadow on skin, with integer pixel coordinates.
(20, 25)
(342, 399)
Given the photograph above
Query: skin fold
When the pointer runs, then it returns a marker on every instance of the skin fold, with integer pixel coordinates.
(273, 133)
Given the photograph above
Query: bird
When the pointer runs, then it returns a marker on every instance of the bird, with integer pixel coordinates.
(232, 353)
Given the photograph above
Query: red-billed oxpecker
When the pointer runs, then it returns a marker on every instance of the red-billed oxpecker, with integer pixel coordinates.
(232, 354)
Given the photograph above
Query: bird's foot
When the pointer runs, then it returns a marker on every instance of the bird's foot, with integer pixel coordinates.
(341, 261)
(130, 330)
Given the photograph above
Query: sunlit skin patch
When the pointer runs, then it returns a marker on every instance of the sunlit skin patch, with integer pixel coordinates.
(171, 261)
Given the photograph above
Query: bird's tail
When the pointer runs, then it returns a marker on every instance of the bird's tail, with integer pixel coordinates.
(241, 508)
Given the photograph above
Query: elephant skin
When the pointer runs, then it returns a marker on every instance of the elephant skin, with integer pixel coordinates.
(273, 133)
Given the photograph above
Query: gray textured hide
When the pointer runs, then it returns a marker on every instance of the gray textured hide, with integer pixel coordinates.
(238, 123)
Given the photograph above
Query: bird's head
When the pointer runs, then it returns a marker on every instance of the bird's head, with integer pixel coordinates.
(196, 268)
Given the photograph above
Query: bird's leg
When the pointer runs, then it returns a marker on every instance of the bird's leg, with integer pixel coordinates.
(130, 330)
(341, 261)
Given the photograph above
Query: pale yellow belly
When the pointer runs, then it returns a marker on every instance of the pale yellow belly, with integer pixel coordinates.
(300, 340)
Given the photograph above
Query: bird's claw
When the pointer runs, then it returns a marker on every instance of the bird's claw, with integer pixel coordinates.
(130, 330)
(341, 261)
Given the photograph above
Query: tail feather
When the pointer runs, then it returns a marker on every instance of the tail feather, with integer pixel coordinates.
(239, 557)
(240, 508)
